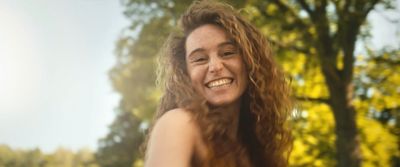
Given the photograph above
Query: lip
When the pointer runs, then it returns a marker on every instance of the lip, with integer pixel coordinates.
(217, 79)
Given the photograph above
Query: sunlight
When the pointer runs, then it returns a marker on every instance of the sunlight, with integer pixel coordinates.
(18, 67)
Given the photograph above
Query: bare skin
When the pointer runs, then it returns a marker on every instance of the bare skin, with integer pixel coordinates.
(175, 141)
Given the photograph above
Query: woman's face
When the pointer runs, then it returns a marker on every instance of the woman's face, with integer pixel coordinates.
(215, 65)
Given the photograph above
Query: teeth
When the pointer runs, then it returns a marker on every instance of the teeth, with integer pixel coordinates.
(219, 82)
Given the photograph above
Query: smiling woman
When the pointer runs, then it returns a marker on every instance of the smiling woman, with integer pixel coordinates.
(215, 66)
(225, 101)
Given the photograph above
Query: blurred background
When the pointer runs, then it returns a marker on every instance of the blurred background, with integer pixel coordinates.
(77, 78)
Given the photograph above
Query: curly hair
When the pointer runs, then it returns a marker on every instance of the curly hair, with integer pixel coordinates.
(264, 138)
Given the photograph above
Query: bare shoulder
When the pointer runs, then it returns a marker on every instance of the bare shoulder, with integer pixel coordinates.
(172, 140)
(176, 116)
(176, 121)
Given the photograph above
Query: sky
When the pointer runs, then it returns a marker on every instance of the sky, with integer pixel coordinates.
(54, 59)
(384, 33)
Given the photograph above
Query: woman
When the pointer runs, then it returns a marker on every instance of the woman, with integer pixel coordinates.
(225, 101)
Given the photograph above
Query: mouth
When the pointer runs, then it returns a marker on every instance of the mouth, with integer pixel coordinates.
(219, 82)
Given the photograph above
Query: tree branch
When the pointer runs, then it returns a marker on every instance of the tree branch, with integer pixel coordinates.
(311, 99)
(391, 62)
(286, 8)
(306, 7)
(350, 22)
(290, 47)
(326, 50)
(369, 8)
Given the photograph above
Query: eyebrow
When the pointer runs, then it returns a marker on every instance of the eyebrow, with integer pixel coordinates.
(229, 42)
(194, 51)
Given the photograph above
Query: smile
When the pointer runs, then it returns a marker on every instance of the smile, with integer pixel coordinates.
(219, 82)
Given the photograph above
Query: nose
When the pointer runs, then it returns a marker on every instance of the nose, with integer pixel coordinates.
(215, 65)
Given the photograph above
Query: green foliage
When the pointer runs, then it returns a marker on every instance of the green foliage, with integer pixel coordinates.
(134, 78)
(35, 158)
(120, 146)
(314, 137)
(378, 101)
(297, 44)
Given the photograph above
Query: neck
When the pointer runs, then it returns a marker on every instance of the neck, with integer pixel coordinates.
(232, 113)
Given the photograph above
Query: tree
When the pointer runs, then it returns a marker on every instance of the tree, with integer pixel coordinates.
(325, 32)
(84, 158)
(60, 158)
(35, 158)
(328, 32)
(314, 42)
(134, 78)
(120, 147)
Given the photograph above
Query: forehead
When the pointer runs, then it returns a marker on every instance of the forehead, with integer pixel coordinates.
(206, 37)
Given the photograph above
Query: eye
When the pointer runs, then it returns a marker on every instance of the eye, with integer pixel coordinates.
(227, 53)
(199, 58)
(228, 50)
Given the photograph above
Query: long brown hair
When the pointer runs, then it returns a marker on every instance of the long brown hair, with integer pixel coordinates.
(263, 135)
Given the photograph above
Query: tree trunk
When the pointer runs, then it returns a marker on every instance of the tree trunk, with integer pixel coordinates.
(348, 152)
(347, 142)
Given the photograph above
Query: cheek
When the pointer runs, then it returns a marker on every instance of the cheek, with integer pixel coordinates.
(196, 77)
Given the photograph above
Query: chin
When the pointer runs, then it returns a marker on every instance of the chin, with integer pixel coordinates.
(222, 102)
